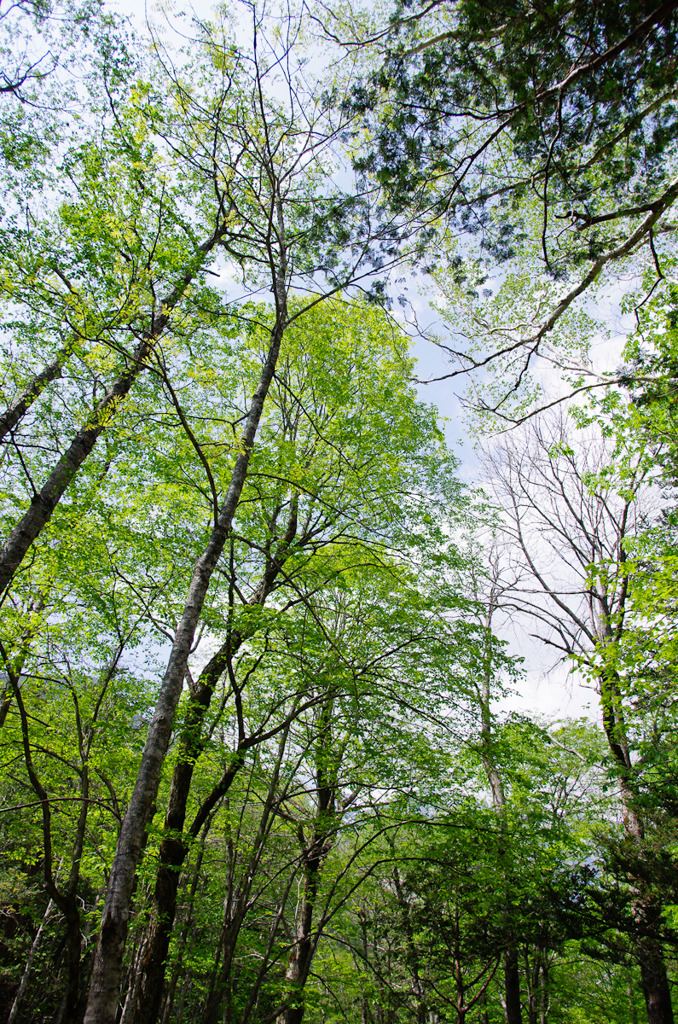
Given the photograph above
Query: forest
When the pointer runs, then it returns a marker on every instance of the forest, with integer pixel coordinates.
(266, 610)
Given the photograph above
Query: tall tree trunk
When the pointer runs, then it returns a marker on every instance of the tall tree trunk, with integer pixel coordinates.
(459, 971)
(301, 954)
(655, 983)
(236, 905)
(544, 997)
(312, 860)
(186, 926)
(103, 997)
(483, 1015)
(366, 1015)
(513, 1009)
(153, 955)
(74, 999)
(72, 1006)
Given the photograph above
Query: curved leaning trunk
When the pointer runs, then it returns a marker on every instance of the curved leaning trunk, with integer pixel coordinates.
(45, 500)
(107, 973)
(23, 402)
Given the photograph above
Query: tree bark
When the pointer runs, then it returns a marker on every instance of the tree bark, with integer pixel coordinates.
(649, 953)
(313, 857)
(513, 1009)
(103, 997)
(655, 983)
(172, 854)
(185, 926)
(301, 954)
(544, 999)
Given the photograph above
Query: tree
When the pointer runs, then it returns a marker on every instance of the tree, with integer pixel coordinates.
(545, 133)
(570, 518)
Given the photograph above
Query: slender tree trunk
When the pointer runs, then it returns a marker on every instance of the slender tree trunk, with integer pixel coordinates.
(312, 859)
(5, 705)
(72, 1006)
(74, 999)
(366, 1016)
(649, 953)
(23, 984)
(131, 983)
(48, 497)
(544, 998)
(236, 904)
(532, 986)
(221, 990)
(301, 954)
(186, 926)
(512, 1004)
(153, 956)
(483, 1015)
(185, 990)
(22, 403)
(459, 972)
